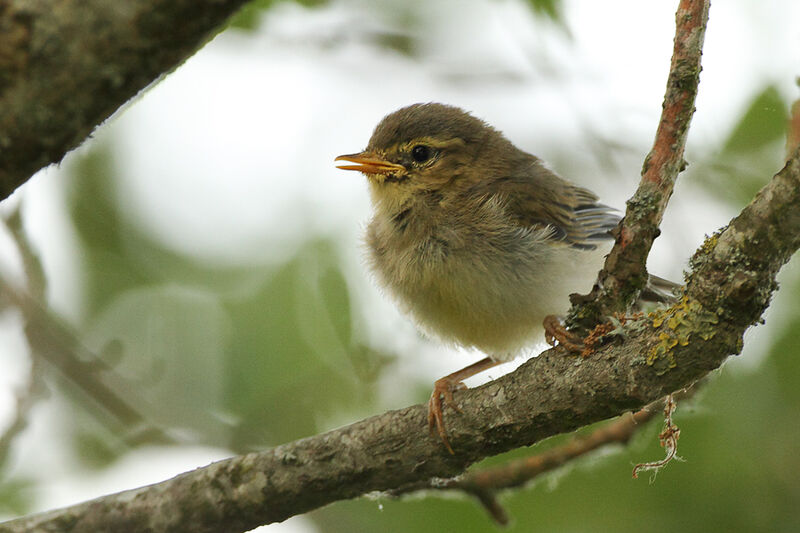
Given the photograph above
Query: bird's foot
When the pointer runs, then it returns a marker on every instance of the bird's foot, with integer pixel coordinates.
(442, 393)
(554, 331)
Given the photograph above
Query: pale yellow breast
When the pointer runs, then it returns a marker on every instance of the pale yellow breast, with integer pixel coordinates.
(478, 280)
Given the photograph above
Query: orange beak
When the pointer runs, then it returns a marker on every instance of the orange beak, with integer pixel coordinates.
(369, 164)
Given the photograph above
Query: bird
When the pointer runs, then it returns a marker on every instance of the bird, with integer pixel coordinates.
(480, 242)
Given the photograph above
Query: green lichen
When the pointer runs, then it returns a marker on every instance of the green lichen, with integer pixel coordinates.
(702, 255)
(584, 316)
(678, 324)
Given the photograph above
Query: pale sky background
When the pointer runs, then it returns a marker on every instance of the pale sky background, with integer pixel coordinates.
(230, 158)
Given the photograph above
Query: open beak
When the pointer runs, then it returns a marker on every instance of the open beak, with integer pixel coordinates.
(369, 164)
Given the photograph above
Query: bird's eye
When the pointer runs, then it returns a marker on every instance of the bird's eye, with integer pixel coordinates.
(421, 153)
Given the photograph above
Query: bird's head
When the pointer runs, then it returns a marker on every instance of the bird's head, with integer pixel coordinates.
(429, 147)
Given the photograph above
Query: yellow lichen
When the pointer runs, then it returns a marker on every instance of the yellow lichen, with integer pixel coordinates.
(681, 321)
(709, 244)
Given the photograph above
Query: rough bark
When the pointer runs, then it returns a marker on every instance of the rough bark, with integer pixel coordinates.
(624, 274)
(67, 65)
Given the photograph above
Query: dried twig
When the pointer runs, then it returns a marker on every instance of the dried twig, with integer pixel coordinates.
(668, 437)
(29, 393)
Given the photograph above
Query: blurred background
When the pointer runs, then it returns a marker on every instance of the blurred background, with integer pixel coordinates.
(189, 284)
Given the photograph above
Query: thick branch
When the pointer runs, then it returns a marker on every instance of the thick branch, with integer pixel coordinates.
(550, 394)
(521, 471)
(485, 484)
(67, 65)
(624, 274)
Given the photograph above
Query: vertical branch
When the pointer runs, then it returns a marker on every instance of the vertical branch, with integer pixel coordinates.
(624, 274)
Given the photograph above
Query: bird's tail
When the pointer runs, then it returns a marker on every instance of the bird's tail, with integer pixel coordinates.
(660, 290)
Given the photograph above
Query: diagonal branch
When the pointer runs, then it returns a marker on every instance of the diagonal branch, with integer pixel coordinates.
(730, 287)
(485, 484)
(67, 65)
(624, 274)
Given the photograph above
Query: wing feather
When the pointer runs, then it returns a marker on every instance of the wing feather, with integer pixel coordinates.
(537, 197)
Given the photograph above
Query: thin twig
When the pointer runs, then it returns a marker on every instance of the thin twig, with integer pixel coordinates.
(35, 280)
(484, 484)
(25, 398)
(522, 471)
(52, 341)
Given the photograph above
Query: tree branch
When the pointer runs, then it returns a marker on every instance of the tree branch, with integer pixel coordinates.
(485, 484)
(67, 65)
(624, 274)
(730, 287)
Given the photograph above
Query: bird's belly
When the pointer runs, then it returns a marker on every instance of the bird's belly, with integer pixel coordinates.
(495, 299)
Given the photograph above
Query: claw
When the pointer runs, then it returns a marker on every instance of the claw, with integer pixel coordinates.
(554, 331)
(443, 393)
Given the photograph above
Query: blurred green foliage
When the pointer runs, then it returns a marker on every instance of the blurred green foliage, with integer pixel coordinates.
(248, 17)
(233, 356)
(551, 9)
(97, 221)
(250, 14)
(749, 155)
(293, 334)
(16, 496)
(763, 123)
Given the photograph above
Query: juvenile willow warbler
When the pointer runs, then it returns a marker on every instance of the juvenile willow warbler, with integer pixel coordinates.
(476, 239)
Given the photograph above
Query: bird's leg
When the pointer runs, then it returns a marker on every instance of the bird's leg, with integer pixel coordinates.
(554, 331)
(443, 392)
